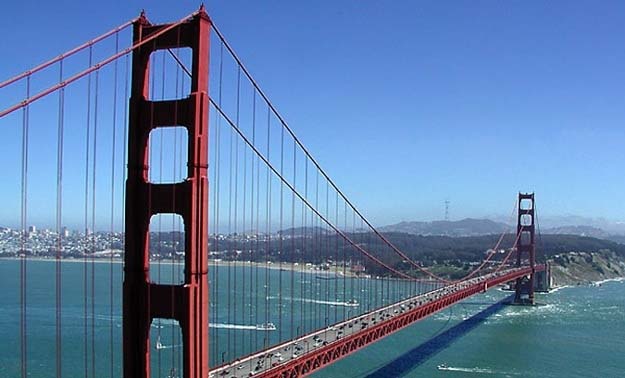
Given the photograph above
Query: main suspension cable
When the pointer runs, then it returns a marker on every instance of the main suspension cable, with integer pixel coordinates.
(301, 197)
(315, 163)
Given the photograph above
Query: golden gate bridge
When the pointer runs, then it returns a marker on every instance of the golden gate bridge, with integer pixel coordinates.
(213, 178)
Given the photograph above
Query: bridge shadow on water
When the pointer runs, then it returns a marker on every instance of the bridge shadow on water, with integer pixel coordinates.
(420, 354)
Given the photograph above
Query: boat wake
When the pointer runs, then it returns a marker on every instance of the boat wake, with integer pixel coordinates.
(350, 303)
(474, 370)
(558, 288)
(257, 327)
(161, 346)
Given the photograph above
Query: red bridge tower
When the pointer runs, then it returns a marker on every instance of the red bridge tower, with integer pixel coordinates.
(145, 300)
(526, 246)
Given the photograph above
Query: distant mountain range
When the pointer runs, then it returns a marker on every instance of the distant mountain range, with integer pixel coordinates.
(464, 227)
(477, 227)
(549, 222)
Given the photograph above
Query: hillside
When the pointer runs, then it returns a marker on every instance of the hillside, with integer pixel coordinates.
(429, 250)
(594, 232)
(583, 267)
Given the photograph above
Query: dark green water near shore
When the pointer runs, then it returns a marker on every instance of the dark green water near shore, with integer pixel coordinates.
(576, 332)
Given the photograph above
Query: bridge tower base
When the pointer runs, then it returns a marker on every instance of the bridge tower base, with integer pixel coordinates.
(526, 248)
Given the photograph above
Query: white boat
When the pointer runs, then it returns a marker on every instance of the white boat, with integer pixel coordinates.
(352, 303)
(442, 367)
(266, 327)
(159, 345)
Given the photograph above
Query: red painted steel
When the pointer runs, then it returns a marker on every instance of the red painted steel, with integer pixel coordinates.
(526, 246)
(144, 300)
(317, 359)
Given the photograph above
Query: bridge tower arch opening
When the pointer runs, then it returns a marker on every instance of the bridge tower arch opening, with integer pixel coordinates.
(526, 247)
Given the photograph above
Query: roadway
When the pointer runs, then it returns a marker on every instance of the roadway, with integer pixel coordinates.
(259, 363)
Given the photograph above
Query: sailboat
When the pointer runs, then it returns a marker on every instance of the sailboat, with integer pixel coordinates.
(159, 345)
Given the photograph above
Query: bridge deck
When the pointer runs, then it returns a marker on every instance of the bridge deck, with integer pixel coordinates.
(311, 352)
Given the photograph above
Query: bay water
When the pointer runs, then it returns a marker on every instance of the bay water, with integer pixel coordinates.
(573, 332)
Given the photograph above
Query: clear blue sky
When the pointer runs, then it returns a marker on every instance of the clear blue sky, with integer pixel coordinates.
(409, 103)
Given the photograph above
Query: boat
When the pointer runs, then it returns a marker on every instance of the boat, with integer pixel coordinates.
(327, 277)
(442, 367)
(269, 326)
(159, 345)
(352, 303)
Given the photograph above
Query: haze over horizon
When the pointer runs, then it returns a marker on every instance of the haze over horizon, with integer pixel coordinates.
(609, 226)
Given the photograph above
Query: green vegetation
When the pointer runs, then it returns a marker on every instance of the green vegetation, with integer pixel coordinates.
(449, 256)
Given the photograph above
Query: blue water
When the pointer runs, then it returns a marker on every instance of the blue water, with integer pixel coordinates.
(576, 332)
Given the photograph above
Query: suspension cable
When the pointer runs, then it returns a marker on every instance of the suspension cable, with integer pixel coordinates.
(95, 67)
(315, 163)
(68, 53)
(300, 196)
(493, 250)
(292, 188)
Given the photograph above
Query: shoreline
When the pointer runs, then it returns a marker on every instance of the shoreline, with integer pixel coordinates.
(586, 284)
(271, 265)
(284, 266)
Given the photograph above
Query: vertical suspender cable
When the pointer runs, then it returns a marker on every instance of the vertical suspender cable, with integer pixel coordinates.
(236, 214)
(344, 247)
(112, 231)
(175, 227)
(23, 236)
(123, 162)
(354, 278)
(268, 227)
(319, 232)
(218, 199)
(245, 249)
(180, 227)
(174, 220)
(260, 266)
(370, 283)
(304, 249)
(93, 218)
(151, 173)
(327, 251)
(230, 242)
(292, 304)
(159, 237)
(124, 152)
(281, 238)
(215, 245)
(86, 223)
(257, 224)
(252, 240)
(336, 256)
(243, 236)
(59, 209)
